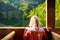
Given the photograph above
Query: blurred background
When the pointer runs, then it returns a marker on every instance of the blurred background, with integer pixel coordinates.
(57, 13)
(17, 13)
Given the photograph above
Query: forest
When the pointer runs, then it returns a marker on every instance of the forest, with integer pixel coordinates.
(17, 13)
(57, 13)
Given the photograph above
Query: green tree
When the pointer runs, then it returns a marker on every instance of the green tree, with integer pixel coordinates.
(57, 13)
(39, 11)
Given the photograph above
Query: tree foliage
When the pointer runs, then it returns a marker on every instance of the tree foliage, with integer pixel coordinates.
(57, 13)
(19, 12)
(39, 11)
